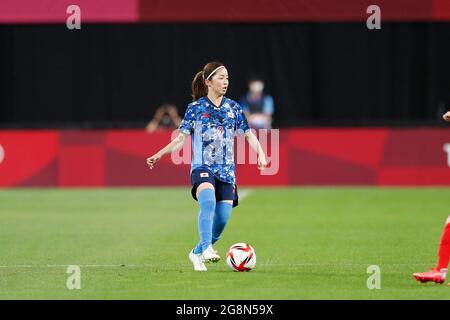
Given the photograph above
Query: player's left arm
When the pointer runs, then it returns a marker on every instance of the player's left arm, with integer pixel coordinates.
(255, 145)
(243, 127)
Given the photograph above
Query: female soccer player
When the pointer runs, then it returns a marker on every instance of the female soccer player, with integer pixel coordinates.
(212, 119)
(439, 273)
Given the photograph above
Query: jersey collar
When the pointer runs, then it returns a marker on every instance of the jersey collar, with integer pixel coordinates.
(217, 107)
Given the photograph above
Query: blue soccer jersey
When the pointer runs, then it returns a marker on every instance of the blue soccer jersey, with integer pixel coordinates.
(212, 129)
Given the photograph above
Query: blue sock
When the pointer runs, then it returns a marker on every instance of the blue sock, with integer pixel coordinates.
(221, 217)
(207, 202)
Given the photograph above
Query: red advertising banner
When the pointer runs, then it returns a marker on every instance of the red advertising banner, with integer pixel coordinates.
(285, 10)
(384, 157)
(57, 11)
(134, 11)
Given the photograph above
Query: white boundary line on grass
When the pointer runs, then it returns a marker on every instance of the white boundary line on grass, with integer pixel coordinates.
(244, 193)
(66, 265)
(183, 265)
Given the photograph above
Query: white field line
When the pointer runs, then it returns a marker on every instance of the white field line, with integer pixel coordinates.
(106, 266)
(244, 194)
(70, 264)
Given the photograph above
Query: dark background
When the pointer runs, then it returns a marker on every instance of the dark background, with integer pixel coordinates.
(115, 75)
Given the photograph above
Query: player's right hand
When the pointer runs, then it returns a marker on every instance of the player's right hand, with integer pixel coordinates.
(152, 160)
(446, 116)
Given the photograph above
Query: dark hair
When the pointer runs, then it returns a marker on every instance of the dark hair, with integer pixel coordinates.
(255, 77)
(199, 88)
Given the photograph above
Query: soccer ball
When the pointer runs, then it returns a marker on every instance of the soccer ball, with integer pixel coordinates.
(241, 257)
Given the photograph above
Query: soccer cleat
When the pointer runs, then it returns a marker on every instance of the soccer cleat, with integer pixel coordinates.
(210, 255)
(437, 276)
(197, 261)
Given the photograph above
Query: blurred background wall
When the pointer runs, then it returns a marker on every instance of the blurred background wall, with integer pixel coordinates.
(324, 68)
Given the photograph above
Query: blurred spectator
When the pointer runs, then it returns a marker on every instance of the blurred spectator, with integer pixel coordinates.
(166, 116)
(446, 116)
(442, 109)
(258, 106)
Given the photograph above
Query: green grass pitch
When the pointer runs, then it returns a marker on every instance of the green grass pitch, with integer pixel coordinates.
(311, 243)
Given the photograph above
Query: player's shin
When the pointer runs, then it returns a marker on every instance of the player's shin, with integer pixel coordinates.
(221, 217)
(207, 202)
(444, 250)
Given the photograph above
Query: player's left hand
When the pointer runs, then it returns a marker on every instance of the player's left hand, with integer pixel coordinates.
(262, 162)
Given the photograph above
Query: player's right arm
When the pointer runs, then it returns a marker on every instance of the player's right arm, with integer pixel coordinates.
(174, 145)
(186, 128)
(446, 116)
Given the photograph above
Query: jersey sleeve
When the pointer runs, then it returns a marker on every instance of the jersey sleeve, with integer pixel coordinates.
(244, 104)
(268, 104)
(241, 121)
(187, 124)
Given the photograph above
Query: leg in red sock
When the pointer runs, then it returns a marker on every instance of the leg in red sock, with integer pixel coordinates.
(439, 273)
(444, 248)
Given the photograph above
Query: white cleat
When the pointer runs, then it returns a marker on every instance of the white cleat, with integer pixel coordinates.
(197, 261)
(210, 255)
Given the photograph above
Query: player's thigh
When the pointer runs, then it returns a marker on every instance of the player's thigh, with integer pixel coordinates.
(226, 192)
(201, 179)
(448, 220)
(226, 201)
(202, 186)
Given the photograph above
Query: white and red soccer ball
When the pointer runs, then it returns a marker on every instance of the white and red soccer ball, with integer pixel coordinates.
(241, 257)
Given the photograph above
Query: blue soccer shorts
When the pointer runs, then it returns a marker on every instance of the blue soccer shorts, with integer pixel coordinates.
(223, 190)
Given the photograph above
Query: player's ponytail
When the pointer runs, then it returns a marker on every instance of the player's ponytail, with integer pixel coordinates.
(199, 88)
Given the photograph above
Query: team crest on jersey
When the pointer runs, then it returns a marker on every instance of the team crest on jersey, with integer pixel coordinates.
(205, 115)
(220, 130)
(230, 114)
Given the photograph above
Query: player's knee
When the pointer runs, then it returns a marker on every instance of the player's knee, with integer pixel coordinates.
(207, 200)
(203, 186)
(209, 205)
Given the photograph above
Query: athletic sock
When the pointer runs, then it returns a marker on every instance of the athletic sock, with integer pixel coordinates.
(444, 249)
(207, 202)
(221, 217)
